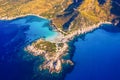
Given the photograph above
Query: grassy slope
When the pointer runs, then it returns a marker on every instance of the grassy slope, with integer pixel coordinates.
(90, 12)
(12, 8)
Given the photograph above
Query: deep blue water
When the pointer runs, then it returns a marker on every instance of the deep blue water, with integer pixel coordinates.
(97, 55)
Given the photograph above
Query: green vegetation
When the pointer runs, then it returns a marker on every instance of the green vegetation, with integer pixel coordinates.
(60, 44)
(45, 45)
(48, 47)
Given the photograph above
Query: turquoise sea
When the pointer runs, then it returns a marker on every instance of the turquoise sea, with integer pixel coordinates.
(96, 54)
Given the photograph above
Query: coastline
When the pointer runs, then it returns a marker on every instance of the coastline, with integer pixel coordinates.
(54, 64)
(12, 18)
(69, 37)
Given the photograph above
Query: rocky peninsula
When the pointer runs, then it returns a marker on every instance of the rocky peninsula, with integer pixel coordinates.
(53, 51)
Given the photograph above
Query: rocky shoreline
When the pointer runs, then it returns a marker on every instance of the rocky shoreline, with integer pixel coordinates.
(67, 38)
(54, 63)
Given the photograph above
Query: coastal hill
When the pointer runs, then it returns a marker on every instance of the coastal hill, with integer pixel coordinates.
(64, 14)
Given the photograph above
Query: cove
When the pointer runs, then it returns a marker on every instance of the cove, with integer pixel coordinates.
(97, 55)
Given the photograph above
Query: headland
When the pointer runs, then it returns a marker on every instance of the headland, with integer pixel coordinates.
(68, 17)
